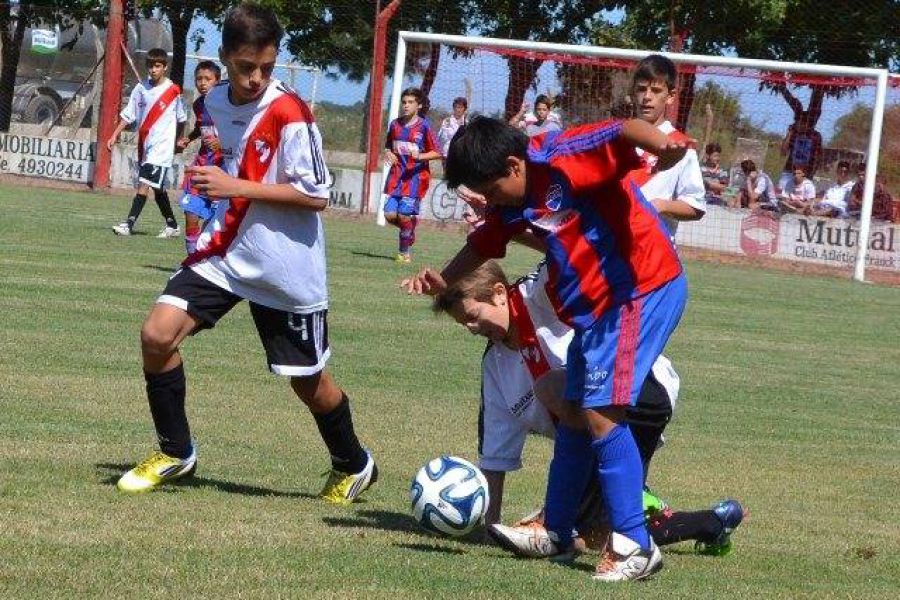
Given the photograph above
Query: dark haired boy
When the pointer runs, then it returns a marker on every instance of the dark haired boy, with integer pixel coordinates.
(409, 146)
(614, 277)
(678, 193)
(715, 178)
(265, 245)
(452, 122)
(758, 190)
(198, 208)
(156, 105)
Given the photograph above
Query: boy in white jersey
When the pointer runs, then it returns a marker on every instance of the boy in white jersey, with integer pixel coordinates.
(265, 244)
(521, 393)
(678, 193)
(156, 106)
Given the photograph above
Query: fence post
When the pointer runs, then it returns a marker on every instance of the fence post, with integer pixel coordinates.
(112, 93)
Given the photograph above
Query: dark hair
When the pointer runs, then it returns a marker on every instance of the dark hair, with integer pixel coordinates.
(747, 166)
(803, 168)
(249, 24)
(415, 93)
(478, 285)
(861, 167)
(208, 65)
(479, 150)
(461, 101)
(157, 55)
(543, 99)
(713, 147)
(656, 66)
(844, 164)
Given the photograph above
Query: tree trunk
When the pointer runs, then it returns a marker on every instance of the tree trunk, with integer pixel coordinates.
(521, 75)
(181, 24)
(12, 46)
(428, 78)
(687, 82)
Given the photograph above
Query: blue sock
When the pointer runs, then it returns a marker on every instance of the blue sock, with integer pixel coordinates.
(570, 471)
(621, 483)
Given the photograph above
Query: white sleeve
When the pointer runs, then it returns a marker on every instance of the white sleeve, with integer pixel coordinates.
(689, 188)
(129, 113)
(760, 185)
(180, 114)
(301, 160)
(501, 436)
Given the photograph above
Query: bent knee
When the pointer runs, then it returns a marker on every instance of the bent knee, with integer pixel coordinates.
(157, 339)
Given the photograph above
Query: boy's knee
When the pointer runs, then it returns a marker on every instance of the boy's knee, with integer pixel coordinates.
(157, 339)
(318, 392)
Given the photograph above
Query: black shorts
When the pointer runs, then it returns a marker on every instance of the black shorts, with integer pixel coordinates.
(296, 344)
(155, 176)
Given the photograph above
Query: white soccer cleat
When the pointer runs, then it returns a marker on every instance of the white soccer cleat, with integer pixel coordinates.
(122, 228)
(169, 232)
(530, 540)
(624, 560)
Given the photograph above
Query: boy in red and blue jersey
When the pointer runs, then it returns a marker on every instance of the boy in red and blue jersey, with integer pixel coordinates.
(409, 146)
(614, 277)
(197, 207)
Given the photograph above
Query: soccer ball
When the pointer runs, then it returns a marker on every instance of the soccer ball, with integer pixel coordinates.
(449, 496)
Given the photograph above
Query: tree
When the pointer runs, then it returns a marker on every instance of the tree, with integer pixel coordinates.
(845, 32)
(14, 20)
(852, 131)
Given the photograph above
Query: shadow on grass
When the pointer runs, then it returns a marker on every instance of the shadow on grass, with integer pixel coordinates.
(372, 255)
(164, 269)
(109, 474)
(386, 520)
(431, 548)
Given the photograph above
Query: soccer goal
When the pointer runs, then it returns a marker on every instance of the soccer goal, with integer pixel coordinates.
(747, 108)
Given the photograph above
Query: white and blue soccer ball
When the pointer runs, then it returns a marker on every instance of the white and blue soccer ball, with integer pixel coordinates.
(449, 496)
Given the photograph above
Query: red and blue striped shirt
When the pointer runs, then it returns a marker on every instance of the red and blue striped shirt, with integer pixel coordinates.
(206, 155)
(606, 244)
(408, 177)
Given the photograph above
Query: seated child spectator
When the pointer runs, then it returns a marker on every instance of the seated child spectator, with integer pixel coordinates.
(715, 178)
(800, 193)
(884, 208)
(834, 203)
(540, 121)
(758, 190)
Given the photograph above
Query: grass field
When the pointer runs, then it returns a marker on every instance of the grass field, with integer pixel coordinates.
(789, 403)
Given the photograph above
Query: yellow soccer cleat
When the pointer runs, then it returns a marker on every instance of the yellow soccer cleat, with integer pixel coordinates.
(343, 488)
(155, 470)
(403, 258)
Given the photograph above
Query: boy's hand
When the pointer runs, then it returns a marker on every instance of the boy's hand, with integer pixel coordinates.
(427, 281)
(390, 158)
(473, 199)
(182, 143)
(213, 181)
(672, 151)
(111, 142)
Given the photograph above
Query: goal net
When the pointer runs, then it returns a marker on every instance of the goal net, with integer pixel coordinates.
(742, 109)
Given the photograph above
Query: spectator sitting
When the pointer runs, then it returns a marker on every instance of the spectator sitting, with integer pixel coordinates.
(452, 123)
(715, 178)
(884, 208)
(834, 202)
(798, 196)
(803, 147)
(540, 121)
(758, 190)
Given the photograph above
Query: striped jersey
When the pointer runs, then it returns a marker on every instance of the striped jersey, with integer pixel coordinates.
(269, 253)
(206, 155)
(605, 243)
(157, 110)
(408, 177)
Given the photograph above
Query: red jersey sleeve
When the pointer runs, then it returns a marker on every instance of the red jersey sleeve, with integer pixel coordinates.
(591, 155)
(499, 227)
(389, 138)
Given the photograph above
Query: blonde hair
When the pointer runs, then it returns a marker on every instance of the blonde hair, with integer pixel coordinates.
(477, 285)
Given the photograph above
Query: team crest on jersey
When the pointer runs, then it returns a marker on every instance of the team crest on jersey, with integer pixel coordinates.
(554, 197)
(262, 150)
(555, 220)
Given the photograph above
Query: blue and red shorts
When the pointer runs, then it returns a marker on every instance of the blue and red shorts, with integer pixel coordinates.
(406, 206)
(201, 206)
(608, 362)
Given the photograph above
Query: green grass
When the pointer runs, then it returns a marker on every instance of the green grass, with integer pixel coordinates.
(788, 403)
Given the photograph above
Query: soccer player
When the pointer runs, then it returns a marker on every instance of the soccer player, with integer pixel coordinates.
(614, 277)
(156, 105)
(265, 245)
(198, 208)
(677, 193)
(410, 145)
(451, 124)
(520, 394)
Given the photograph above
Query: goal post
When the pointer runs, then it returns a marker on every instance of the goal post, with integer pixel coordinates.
(594, 76)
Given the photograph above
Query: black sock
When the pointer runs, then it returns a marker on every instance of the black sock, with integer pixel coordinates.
(702, 525)
(166, 392)
(336, 428)
(137, 205)
(165, 208)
